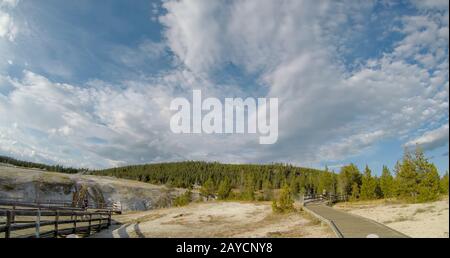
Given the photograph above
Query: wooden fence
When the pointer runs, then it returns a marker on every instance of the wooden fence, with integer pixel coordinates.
(328, 198)
(115, 207)
(33, 220)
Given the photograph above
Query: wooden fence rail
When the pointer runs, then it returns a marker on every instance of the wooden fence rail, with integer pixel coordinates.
(54, 221)
(328, 198)
(60, 205)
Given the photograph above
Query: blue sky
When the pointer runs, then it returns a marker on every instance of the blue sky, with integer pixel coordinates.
(88, 83)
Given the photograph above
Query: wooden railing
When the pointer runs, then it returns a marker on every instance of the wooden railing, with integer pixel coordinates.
(115, 207)
(328, 198)
(27, 220)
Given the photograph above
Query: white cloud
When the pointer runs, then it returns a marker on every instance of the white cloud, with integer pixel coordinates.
(145, 51)
(100, 125)
(8, 3)
(323, 105)
(431, 4)
(327, 111)
(8, 28)
(431, 139)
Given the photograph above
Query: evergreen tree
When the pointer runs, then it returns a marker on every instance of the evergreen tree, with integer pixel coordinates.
(355, 192)
(285, 201)
(428, 188)
(368, 186)
(294, 187)
(267, 190)
(348, 176)
(444, 184)
(407, 178)
(387, 183)
(248, 192)
(183, 199)
(327, 183)
(208, 189)
(224, 189)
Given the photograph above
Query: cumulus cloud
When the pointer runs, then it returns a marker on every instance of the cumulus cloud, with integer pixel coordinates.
(432, 139)
(431, 4)
(8, 28)
(100, 125)
(324, 106)
(292, 49)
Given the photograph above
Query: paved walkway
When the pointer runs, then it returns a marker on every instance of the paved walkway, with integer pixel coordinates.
(353, 226)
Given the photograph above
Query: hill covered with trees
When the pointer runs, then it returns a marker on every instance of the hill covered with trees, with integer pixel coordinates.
(414, 179)
(28, 164)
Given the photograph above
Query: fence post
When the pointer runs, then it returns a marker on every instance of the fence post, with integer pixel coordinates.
(109, 218)
(56, 223)
(13, 216)
(75, 224)
(8, 224)
(38, 222)
(100, 223)
(90, 224)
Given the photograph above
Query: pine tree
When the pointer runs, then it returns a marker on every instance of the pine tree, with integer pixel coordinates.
(224, 189)
(248, 192)
(444, 184)
(407, 178)
(267, 190)
(429, 185)
(294, 187)
(387, 183)
(285, 201)
(208, 189)
(368, 186)
(347, 177)
(355, 192)
(183, 199)
(327, 183)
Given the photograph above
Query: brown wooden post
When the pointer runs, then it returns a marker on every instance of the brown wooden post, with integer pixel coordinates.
(56, 223)
(38, 222)
(99, 224)
(75, 224)
(90, 224)
(8, 224)
(13, 217)
(109, 218)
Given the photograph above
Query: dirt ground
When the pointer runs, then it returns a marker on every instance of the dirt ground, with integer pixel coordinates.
(415, 220)
(216, 219)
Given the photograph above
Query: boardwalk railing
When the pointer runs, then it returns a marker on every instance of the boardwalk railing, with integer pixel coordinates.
(328, 198)
(115, 207)
(27, 220)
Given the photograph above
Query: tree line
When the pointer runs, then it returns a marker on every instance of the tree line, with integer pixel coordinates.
(414, 179)
(28, 164)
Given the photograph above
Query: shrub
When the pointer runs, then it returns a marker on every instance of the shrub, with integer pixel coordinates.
(285, 202)
(183, 199)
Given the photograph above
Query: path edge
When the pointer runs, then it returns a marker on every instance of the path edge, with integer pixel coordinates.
(376, 222)
(328, 222)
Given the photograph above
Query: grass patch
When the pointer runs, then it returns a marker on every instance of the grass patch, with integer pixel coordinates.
(399, 219)
(313, 221)
(423, 210)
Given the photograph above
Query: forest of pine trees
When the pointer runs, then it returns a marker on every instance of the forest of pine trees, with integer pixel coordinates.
(27, 164)
(414, 179)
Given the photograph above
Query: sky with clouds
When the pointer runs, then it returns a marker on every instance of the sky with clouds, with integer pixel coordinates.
(89, 83)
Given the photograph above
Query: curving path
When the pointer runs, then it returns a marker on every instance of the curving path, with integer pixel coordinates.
(353, 226)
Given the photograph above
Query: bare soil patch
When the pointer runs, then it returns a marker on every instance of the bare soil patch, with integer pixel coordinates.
(415, 220)
(216, 219)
